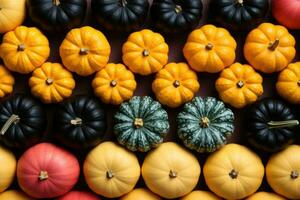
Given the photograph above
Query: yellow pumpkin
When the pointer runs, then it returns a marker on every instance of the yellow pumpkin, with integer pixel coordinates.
(84, 51)
(12, 14)
(24, 49)
(239, 85)
(210, 49)
(199, 195)
(283, 172)
(7, 168)
(288, 84)
(145, 52)
(265, 196)
(14, 195)
(110, 170)
(7, 81)
(269, 48)
(233, 172)
(171, 171)
(51, 83)
(175, 84)
(114, 84)
(140, 194)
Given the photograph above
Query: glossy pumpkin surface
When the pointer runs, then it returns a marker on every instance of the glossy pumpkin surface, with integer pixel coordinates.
(7, 82)
(265, 195)
(7, 169)
(140, 193)
(14, 195)
(286, 13)
(79, 195)
(197, 194)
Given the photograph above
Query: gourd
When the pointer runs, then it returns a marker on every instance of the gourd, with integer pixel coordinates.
(24, 49)
(209, 49)
(14, 195)
(170, 171)
(239, 85)
(84, 51)
(204, 124)
(22, 121)
(283, 171)
(145, 52)
(286, 13)
(79, 195)
(141, 124)
(80, 122)
(7, 169)
(269, 48)
(140, 193)
(175, 84)
(197, 194)
(51, 83)
(7, 82)
(114, 84)
(110, 170)
(265, 195)
(240, 174)
(270, 125)
(288, 83)
(47, 171)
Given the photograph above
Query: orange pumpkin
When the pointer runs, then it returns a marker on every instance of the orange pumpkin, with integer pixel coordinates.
(7, 82)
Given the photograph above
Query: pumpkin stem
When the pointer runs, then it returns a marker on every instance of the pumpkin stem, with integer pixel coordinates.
(21, 47)
(146, 53)
(83, 51)
(43, 175)
(123, 2)
(240, 2)
(176, 83)
(138, 122)
(49, 81)
(209, 46)
(56, 2)
(113, 83)
(233, 174)
(294, 174)
(204, 122)
(178, 9)
(282, 124)
(13, 119)
(240, 84)
(76, 121)
(110, 174)
(273, 45)
(172, 174)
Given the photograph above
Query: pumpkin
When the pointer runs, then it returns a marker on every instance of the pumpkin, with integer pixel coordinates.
(7, 82)
(7, 169)
(79, 195)
(209, 49)
(22, 121)
(175, 84)
(51, 83)
(145, 52)
(265, 195)
(176, 16)
(57, 15)
(270, 125)
(80, 122)
(171, 171)
(283, 172)
(140, 193)
(24, 49)
(288, 83)
(12, 14)
(14, 195)
(110, 170)
(47, 171)
(239, 175)
(84, 51)
(141, 124)
(239, 85)
(286, 13)
(269, 48)
(200, 195)
(114, 84)
(121, 15)
(204, 124)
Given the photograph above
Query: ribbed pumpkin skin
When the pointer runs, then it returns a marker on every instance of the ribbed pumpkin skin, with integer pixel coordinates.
(14, 195)
(79, 195)
(199, 195)
(149, 134)
(192, 129)
(7, 168)
(7, 81)
(140, 193)
(265, 196)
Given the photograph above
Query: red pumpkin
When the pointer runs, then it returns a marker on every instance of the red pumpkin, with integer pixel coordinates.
(79, 195)
(287, 13)
(47, 171)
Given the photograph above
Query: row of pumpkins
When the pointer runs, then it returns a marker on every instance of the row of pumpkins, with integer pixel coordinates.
(170, 171)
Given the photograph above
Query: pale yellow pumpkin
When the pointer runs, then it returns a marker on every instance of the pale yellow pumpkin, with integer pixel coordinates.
(14, 195)
(140, 194)
(265, 196)
(7, 81)
(7, 168)
(199, 195)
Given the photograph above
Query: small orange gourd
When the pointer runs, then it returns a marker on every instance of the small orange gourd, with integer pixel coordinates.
(197, 194)
(7, 168)
(7, 82)
(265, 196)
(140, 194)
(14, 195)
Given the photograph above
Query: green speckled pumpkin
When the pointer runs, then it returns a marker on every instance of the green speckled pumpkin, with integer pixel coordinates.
(141, 124)
(204, 124)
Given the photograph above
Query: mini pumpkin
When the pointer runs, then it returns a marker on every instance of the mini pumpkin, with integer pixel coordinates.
(114, 84)
(84, 51)
(175, 84)
(7, 82)
(269, 48)
(79, 195)
(265, 195)
(288, 84)
(197, 194)
(140, 193)
(14, 195)
(7, 169)
(24, 49)
(209, 49)
(51, 83)
(145, 52)
(239, 85)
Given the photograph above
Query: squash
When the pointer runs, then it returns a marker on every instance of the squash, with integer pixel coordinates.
(47, 171)
(233, 172)
(171, 171)
(7, 82)
(283, 172)
(12, 14)
(140, 193)
(265, 195)
(269, 48)
(110, 170)
(204, 124)
(197, 194)
(79, 195)
(175, 84)
(14, 195)
(84, 51)
(24, 49)
(145, 52)
(288, 83)
(7, 169)
(114, 84)
(51, 83)
(141, 124)
(239, 85)
(209, 49)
